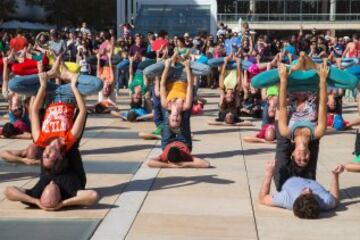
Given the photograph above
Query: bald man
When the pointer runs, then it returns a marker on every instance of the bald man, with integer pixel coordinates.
(62, 186)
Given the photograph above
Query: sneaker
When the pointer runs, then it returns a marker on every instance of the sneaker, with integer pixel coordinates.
(158, 130)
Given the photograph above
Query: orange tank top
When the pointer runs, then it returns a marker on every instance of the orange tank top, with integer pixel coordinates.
(58, 122)
(105, 73)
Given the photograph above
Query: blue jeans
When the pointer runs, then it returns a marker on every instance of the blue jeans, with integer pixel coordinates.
(122, 73)
(265, 115)
(157, 109)
(29, 85)
(217, 62)
(185, 130)
(198, 69)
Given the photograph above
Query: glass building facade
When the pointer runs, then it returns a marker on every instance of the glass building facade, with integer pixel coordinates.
(177, 19)
(290, 10)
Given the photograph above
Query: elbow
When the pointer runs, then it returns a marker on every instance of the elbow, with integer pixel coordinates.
(261, 200)
(151, 164)
(205, 164)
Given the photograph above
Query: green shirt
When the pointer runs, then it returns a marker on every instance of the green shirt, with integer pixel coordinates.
(138, 80)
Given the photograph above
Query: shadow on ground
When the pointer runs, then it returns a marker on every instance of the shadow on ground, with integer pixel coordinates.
(160, 184)
(114, 150)
(228, 154)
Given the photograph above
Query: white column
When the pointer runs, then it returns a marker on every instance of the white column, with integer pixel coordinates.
(252, 6)
(332, 10)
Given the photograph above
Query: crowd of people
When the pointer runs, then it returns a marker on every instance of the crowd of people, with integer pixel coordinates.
(295, 85)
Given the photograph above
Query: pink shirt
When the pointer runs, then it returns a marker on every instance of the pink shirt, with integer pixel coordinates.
(103, 49)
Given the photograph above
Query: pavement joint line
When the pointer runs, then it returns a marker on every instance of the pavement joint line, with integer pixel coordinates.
(249, 189)
(118, 221)
(9, 143)
(83, 142)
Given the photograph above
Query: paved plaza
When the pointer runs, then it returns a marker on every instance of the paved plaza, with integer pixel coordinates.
(211, 204)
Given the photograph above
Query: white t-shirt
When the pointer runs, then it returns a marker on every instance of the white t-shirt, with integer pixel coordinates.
(85, 30)
(84, 67)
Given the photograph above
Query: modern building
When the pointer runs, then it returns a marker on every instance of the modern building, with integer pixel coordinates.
(289, 14)
(271, 15)
(176, 17)
(28, 12)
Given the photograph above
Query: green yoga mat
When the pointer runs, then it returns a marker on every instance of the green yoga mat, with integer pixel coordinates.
(306, 80)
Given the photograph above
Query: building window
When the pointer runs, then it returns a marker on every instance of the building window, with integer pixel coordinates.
(355, 6)
(293, 6)
(343, 6)
(276, 6)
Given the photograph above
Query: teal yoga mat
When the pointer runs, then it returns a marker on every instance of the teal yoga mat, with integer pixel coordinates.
(306, 80)
(345, 62)
(354, 70)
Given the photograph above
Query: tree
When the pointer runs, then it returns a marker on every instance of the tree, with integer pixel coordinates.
(97, 13)
(7, 7)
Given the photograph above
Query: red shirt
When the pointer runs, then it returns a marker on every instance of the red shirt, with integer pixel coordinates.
(18, 43)
(58, 122)
(185, 152)
(158, 43)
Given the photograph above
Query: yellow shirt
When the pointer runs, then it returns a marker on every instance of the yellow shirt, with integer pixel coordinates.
(176, 90)
(231, 80)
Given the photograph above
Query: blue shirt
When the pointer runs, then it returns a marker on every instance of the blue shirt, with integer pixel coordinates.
(138, 111)
(232, 43)
(290, 49)
(13, 119)
(292, 189)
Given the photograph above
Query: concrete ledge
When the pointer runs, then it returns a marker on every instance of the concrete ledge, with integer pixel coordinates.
(296, 25)
(118, 221)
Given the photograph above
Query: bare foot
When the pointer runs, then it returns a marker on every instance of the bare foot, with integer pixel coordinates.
(300, 64)
(55, 70)
(65, 74)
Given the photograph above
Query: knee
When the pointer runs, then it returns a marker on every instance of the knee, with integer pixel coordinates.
(8, 192)
(98, 84)
(93, 197)
(14, 84)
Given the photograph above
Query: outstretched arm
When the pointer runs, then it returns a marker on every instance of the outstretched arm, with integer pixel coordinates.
(35, 108)
(98, 67)
(190, 87)
(239, 75)
(322, 118)
(283, 114)
(334, 186)
(264, 195)
(157, 163)
(164, 76)
(110, 55)
(78, 126)
(131, 70)
(223, 73)
(5, 88)
(196, 163)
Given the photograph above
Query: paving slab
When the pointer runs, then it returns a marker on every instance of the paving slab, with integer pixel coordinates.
(217, 203)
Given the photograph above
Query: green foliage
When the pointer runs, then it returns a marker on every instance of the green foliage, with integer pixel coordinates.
(7, 7)
(97, 13)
